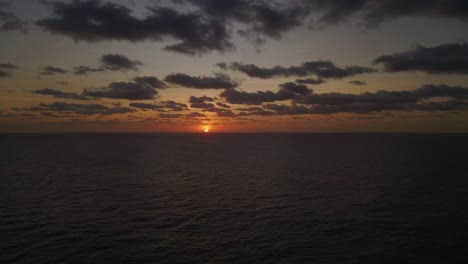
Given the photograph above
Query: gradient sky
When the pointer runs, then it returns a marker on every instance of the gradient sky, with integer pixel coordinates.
(234, 66)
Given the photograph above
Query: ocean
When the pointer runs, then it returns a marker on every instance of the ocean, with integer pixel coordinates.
(234, 198)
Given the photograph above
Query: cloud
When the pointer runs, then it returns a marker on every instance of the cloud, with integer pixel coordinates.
(6, 70)
(258, 17)
(295, 88)
(321, 69)
(195, 115)
(309, 81)
(9, 21)
(84, 70)
(203, 99)
(426, 98)
(93, 21)
(110, 62)
(223, 105)
(61, 94)
(5, 74)
(358, 83)
(287, 91)
(443, 59)
(52, 70)
(200, 26)
(123, 90)
(8, 66)
(163, 106)
(150, 81)
(220, 81)
(372, 13)
(117, 62)
(171, 115)
(79, 109)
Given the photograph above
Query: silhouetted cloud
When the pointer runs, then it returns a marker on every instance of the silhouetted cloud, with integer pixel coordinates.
(9, 21)
(223, 105)
(117, 62)
(451, 98)
(220, 81)
(287, 91)
(8, 66)
(220, 111)
(5, 74)
(171, 115)
(358, 83)
(163, 106)
(447, 58)
(202, 99)
(52, 70)
(84, 70)
(295, 88)
(310, 81)
(150, 81)
(79, 109)
(108, 21)
(109, 62)
(195, 115)
(259, 17)
(373, 13)
(208, 25)
(61, 94)
(123, 90)
(321, 69)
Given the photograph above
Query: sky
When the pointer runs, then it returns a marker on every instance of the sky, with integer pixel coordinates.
(303, 66)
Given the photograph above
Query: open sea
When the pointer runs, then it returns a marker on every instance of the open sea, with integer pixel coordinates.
(234, 198)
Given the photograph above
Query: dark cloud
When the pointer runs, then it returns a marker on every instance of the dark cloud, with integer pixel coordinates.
(426, 98)
(79, 109)
(171, 115)
(117, 62)
(220, 111)
(5, 74)
(6, 70)
(358, 83)
(208, 25)
(387, 97)
(201, 102)
(202, 105)
(123, 90)
(8, 66)
(202, 99)
(195, 115)
(309, 81)
(9, 21)
(287, 91)
(110, 62)
(150, 81)
(220, 81)
(84, 70)
(93, 21)
(61, 94)
(447, 58)
(163, 106)
(259, 17)
(321, 69)
(223, 105)
(295, 88)
(52, 70)
(372, 13)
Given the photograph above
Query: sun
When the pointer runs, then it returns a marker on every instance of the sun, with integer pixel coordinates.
(206, 129)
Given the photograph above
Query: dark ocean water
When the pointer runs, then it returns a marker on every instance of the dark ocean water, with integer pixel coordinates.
(317, 198)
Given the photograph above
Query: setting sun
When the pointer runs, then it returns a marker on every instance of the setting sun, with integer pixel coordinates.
(206, 129)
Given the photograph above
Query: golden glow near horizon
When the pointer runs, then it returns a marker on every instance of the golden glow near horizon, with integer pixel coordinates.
(206, 129)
